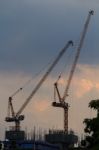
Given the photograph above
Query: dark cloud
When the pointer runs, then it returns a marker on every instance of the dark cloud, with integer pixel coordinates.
(32, 32)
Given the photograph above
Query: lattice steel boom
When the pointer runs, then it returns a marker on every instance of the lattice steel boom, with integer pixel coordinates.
(44, 77)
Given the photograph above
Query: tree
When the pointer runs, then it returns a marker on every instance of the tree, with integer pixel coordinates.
(92, 125)
(0, 145)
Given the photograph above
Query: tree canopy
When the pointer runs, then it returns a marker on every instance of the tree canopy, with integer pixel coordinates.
(92, 126)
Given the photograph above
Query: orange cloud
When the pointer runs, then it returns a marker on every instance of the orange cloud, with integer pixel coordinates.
(84, 80)
(41, 105)
(82, 86)
(97, 86)
(62, 81)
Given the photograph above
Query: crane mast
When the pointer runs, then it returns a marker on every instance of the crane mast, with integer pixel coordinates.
(62, 103)
(18, 117)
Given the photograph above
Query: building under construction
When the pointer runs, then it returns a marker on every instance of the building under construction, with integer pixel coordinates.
(53, 140)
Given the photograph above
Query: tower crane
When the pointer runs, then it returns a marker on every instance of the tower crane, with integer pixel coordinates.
(62, 103)
(17, 117)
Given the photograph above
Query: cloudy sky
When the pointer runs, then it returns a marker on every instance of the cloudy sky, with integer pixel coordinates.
(31, 34)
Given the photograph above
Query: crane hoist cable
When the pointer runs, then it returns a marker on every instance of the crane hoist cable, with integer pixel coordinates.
(64, 68)
(34, 77)
(31, 79)
(66, 64)
(37, 74)
(44, 76)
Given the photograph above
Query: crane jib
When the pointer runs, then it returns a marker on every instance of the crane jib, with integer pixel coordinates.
(44, 77)
(77, 54)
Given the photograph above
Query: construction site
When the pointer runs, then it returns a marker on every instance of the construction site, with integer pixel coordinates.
(53, 139)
